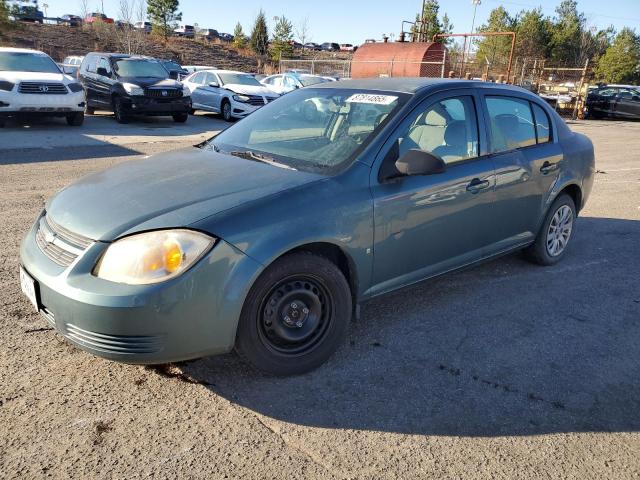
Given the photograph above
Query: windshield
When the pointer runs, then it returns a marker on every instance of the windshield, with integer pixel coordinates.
(140, 68)
(306, 81)
(318, 130)
(238, 79)
(27, 62)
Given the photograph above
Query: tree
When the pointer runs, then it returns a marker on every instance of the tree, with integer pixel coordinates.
(260, 35)
(621, 61)
(130, 38)
(239, 40)
(4, 16)
(496, 49)
(163, 15)
(567, 31)
(303, 31)
(427, 23)
(282, 36)
(533, 34)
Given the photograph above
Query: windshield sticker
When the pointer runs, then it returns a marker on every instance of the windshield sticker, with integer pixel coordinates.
(371, 98)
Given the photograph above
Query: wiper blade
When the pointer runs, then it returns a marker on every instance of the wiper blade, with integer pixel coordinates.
(258, 157)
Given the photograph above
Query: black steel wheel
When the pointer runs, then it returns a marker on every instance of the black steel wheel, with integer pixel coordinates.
(295, 315)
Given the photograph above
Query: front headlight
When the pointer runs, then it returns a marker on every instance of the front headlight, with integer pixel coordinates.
(6, 85)
(185, 91)
(132, 89)
(152, 257)
(241, 98)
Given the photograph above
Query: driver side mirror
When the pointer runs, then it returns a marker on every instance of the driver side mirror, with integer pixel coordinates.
(419, 162)
(214, 84)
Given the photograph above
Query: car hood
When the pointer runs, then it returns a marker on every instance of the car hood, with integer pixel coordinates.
(169, 190)
(152, 82)
(250, 89)
(16, 77)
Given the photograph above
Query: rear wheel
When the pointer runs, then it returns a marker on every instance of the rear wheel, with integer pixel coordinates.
(554, 235)
(89, 110)
(226, 111)
(75, 119)
(118, 111)
(180, 117)
(295, 315)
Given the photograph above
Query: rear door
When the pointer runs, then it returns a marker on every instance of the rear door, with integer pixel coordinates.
(428, 224)
(196, 85)
(627, 103)
(527, 161)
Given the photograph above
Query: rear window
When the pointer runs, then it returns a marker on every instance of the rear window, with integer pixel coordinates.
(511, 123)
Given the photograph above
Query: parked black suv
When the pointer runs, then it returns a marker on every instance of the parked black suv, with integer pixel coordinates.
(130, 85)
(330, 47)
(615, 101)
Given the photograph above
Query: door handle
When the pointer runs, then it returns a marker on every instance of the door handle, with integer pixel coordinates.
(548, 167)
(476, 185)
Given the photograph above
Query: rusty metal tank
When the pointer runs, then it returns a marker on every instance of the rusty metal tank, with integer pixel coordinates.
(399, 59)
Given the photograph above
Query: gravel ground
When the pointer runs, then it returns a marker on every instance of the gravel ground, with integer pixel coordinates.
(506, 370)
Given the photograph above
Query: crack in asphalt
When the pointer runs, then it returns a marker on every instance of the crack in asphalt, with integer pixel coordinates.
(530, 396)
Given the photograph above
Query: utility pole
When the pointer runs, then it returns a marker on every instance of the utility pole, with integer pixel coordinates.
(465, 54)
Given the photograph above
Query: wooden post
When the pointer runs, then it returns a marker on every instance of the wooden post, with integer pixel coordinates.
(582, 80)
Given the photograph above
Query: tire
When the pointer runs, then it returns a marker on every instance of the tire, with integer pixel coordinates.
(542, 250)
(226, 111)
(75, 119)
(118, 111)
(295, 315)
(89, 110)
(180, 117)
(192, 112)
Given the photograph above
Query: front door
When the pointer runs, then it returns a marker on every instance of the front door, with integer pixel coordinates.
(425, 225)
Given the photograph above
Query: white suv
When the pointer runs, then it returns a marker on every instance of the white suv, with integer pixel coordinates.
(31, 84)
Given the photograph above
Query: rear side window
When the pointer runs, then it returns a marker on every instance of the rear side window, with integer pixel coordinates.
(511, 123)
(542, 123)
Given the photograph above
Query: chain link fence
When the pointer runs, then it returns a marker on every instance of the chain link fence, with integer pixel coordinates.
(375, 68)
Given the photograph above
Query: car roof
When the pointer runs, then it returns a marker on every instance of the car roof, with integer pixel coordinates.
(112, 55)
(213, 70)
(21, 50)
(411, 84)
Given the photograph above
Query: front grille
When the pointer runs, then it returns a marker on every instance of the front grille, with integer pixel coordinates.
(115, 344)
(162, 93)
(42, 88)
(255, 100)
(59, 244)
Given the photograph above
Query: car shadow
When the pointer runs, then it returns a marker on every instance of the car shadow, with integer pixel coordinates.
(505, 348)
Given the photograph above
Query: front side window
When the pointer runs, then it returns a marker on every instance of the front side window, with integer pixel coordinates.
(27, 62)
(447, 129)
(104, 63)
(542, 123)
(312, 129)
(511, 123)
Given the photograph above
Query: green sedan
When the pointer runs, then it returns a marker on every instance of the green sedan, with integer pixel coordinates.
(266, 238)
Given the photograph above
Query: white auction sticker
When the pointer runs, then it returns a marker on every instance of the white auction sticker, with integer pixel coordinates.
(371, 98)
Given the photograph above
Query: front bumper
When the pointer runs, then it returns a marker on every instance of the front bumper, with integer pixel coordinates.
(13, 103)
(193, 315)
(242, 109)
(156, 106)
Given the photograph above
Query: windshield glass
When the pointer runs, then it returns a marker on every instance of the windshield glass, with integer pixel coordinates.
(169, 65)
(27, 62)
(238, 79)
(313, 129)
(140, 68)
(306, 81)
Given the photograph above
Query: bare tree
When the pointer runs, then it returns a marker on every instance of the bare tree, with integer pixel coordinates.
(303, 32)
(130, 39)
(84, 8)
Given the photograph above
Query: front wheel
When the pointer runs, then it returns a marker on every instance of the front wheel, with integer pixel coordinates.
(180, 117)
(226, 111)
(118, 111)
(554, 235)
(295, 315)
(75, 119)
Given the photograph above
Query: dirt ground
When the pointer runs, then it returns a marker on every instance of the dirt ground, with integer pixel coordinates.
(503, 371)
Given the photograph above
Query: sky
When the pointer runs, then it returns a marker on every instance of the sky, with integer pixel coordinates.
(353, 21)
